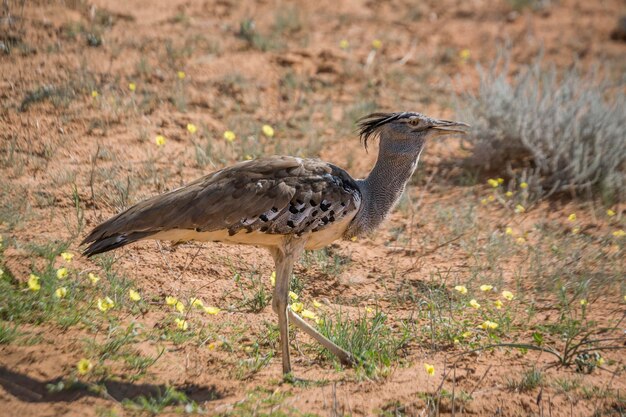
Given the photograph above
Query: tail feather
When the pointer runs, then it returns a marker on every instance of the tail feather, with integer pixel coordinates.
(108, 243)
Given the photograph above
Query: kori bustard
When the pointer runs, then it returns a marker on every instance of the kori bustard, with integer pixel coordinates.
(285, 204)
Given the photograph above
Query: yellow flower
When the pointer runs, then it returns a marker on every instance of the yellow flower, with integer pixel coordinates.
(509, 194)
(572, 217)
(181, 75)
(461, 288)
(84, 366)
(105, 304)
(134, 295)
(61, 273)
(248, 157)
(268, 131)
(466, 335)
(171, 301)
(464, 54)
(619, 233)
(214, 345)
(500, 180)
(377, 44)
(159, 140)
(33, 282)
(94, 93)
(508, 231)
(492, 182)
(520, 240)
(474, 303)
(132, 86)
(293, 295)
(489, 325)
(316, 304)
(191, 128)
(498, 304)
(485, 287)
(211, 310)
(273, 278)
(430, 369)
(197, 303)
(583, 302)
(508, 295)
(297, 307)
(308, 314)
(610, 213)
(180, 307)
(491, 198)
(60, 292)
(181, 324)
(575, 230)
(519, 209)
(67, 256)
(93, 278)
(344, 44)
(456, 341)
(483, 201)
(229, 135)
(523, 185)
(369, 310)
(353, 238)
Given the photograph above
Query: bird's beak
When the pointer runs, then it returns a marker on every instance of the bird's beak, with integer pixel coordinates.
(446, 127)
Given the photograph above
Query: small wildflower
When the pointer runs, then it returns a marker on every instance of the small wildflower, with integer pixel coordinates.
(508, 295)
(171, 301)
(181, 75)
(84, 366)
(297, 307)
(105, 304)
(519, 209)
(520, 240)
(353, 238)
(583, 302)
(180, 307)
(268, 131)
(273, 278)
(229, 135)
(191, 128)
(344, 44)
(134, 295)
(493, 183)
(369, 310)
(491, 198)
(316, 304)
(214, 345)
(181, 324)
(33, 283)
(93, 278)
(308, 314)
(211, 310)
(248, 157)
(485, 287)
(197, 303)
(456, 341)
(523, 185)
(430, 369)
(466, 335)
(610, 213)
(377, 44)
(159, 140)
(498, 304)
(508, 231)
(500, 181)
(474, 303)
(571, 217)
(293, 295)
(62, 273)
(489, 325)
(483, 201)
(509, 194)
(600, 361)
(94, 93)
(132, 86)
(461, 288)
(465, 54)
(60, 292)
(575, 230)
(67, 256)
(619, 233)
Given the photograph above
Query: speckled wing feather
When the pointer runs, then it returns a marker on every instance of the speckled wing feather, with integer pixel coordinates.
(275, 195)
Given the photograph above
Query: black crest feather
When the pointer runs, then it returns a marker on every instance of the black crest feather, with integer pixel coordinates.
(369, 125)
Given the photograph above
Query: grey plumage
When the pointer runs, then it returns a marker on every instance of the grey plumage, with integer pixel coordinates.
(283, 203)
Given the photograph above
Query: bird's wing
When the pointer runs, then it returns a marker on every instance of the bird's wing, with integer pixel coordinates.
(278, 195)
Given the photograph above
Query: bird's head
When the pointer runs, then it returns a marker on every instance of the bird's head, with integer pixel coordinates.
(405, 132)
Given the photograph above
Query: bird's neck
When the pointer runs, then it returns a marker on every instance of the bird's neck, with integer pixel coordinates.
(381, 190)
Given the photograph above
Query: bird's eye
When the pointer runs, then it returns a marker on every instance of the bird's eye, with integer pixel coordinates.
(414, 122)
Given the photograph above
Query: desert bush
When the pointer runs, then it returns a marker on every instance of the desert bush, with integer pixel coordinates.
(563, 131)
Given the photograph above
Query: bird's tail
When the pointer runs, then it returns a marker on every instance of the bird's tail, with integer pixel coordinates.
(105, 244)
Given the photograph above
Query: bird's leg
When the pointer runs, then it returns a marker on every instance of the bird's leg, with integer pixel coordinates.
(344, 356)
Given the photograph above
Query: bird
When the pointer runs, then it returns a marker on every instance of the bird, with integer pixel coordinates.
(286, 205)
